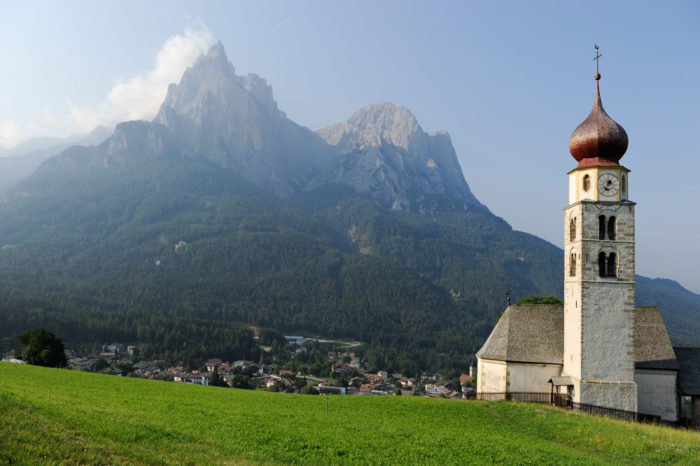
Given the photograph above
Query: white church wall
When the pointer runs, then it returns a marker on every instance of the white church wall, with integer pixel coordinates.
(656, 393)
(608, 305)
(608, 332)
(614, 395)
(491, 376)
(531, 377)
(572, 294)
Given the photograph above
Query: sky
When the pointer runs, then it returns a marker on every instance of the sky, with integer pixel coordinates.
(509, 80)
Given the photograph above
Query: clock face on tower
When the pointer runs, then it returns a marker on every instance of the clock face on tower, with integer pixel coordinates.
(608, 184)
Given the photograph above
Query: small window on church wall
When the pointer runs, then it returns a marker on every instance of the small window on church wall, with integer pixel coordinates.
(601, 227)
(623, 184)
(611, 228)
(586, 183)
(612, 265)
(601, 264)
(572, 264)
(572, 230)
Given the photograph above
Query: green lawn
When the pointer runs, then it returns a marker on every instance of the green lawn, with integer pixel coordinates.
(50, 416)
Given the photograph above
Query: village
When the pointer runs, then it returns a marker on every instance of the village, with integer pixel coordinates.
(305, 365)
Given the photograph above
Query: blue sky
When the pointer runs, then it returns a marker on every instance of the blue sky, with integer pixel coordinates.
(509, 80)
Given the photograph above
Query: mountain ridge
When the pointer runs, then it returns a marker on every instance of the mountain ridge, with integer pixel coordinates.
(234, 122)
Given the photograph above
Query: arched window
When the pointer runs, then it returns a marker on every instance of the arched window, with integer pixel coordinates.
(572, 230)
(611, 228)
(612, 265)
(601, 227)
(586, 183)
(572, 264)
(624, 185)
(601, 264)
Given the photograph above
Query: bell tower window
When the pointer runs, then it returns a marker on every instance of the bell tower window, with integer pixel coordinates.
(611, 228)
(601, 264)
(607, 265)
(572, 264)
(572, 230)
(586, 183)
(601, 227)
(612, 265)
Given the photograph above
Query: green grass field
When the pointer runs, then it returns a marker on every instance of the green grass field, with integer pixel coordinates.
(50, 416)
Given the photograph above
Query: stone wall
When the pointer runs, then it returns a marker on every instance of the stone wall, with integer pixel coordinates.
(609, 394)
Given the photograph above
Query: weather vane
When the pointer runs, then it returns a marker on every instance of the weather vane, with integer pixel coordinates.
(597, 60)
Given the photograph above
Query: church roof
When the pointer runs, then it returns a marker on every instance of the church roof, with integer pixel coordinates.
(689, 375)
(652, 347)
(535, 333)
(527, 333)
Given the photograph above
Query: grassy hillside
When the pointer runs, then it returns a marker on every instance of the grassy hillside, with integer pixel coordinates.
(54, 416)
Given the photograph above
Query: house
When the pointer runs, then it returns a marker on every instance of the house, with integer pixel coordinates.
(192, 379)
(331, 390)
(366, 388)
(689, 384)
(435, 389)
(113, 348)
(213, 364)
(465, 379)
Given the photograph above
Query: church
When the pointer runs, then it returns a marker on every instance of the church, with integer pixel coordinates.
(598, 348)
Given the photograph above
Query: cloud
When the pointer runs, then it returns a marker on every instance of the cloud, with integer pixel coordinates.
(135, 98)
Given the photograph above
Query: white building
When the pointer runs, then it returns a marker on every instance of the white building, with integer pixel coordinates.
(598, 348)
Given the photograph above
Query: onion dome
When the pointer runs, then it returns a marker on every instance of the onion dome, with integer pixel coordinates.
(599, 140)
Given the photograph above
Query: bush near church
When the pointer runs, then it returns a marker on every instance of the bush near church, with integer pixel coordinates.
(534, 299)
(41, 348)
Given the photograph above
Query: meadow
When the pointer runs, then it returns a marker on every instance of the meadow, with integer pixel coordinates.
(53, 416)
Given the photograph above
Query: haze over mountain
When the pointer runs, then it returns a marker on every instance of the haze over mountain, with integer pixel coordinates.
(222, 212)
(20, 161)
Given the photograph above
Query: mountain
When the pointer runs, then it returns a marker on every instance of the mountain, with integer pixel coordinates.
(234, 122)
(385, 153)
(20, 161)
(222, 213)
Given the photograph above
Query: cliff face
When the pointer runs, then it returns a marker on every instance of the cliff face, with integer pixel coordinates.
(234, 122)
(385, 153)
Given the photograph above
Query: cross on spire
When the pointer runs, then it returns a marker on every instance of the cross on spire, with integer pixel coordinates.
(597, 60)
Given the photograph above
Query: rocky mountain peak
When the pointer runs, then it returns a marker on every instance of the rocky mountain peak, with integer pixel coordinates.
(217, 51)
(234, 121)
(375, 125)
(387, 154)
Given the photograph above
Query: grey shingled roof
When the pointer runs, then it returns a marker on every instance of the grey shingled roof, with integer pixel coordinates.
(535, 333)
(652, 347)
(689, 375)
(527, 333)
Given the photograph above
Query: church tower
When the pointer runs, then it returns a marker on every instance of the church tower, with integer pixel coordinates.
(599, 270)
